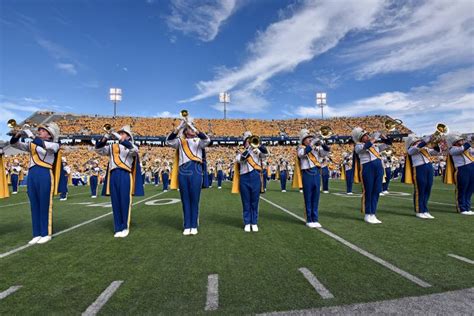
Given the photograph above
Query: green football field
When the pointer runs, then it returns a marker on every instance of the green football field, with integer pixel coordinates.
(165, 272)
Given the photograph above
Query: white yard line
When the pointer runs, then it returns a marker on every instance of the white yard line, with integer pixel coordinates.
(212, 301)
(367, 254)
(318, 286)
(461, 258)
(10, 290)
(102, 299)
(8, 205)
(15, 250)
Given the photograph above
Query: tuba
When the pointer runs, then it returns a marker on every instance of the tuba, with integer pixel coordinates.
(325, 132)
(254, 141)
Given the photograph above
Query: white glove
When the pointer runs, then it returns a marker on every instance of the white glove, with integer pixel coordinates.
(116, 135)
(181, 125)
(256, 151)
(426, 139)
(28, 133)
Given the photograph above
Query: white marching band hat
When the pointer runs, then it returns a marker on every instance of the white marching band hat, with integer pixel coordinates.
(305, 133)
(247, 134)
(453, 137)
(357, 134)
(53, 130)
(127, 129)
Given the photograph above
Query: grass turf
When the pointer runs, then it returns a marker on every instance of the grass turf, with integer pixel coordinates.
(165, 272)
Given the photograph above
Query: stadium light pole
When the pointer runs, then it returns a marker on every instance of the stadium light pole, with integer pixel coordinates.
(224, 97)
(115, 96)
(321, 102)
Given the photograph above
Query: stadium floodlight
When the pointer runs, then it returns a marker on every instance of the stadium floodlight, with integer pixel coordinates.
(115, 96)
(224, 97)
(321, 101)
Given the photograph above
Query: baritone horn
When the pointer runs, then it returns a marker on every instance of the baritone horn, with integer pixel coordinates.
(254, 141)
(391, 124)
(107, 128)
(440, 132)
(325, 132)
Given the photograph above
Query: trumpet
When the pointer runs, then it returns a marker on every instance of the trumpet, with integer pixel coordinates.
(437, 136)
(254, 141)
(325, 132)
(185, 117)
(184, 114)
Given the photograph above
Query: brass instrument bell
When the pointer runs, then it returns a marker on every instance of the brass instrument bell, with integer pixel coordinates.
(325, 131)
(391, 125)
(254, 141)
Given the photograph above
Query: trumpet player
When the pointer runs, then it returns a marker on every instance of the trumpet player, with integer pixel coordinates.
(188, 169)
(461, 163)
(248, 179)
(155, 170)
(220, 172)
(165, 175)
(94, 171)
(325, 174)
(419, 171)
(368, 164)
(43, 176)
(123, 176)
(308, 171)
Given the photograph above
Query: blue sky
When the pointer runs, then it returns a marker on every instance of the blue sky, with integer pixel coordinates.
(413, 60)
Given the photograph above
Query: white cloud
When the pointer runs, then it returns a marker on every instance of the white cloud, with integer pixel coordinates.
(67, 68)
(433, 33)
(12, 109)
(166, 114)
(200, 18)
(244, 101)
(309, 31)
(448, 99)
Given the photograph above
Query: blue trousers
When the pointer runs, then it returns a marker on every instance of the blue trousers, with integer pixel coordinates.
(166, 180)
(190, 179)
(157, 179)
(325, 177)
(40, 193)
(265, 179)
(220, 177)
(14, 179)
(121, 196)
(372, 174)
(349, 180)
(211, 177)
(423, 182)
(283, 177)
(250, 184)
(464, 187)
(93, 183)
(388, 176)
(311, 186)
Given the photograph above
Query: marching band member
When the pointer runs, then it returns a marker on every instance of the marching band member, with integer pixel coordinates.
(63, 179)
(367, 157)
(325, 174)
(43, 177)
(4, 192)
(165, 175)
(220, 172)
(419, 171)
(188, 170)
(460, 171)
(308, 173)
(265, 174)
(15, 172)
(248, 180)
(123, 177)
(386, 162)
(348, 171)
(156, 172)
(283, 171)
(94, 172)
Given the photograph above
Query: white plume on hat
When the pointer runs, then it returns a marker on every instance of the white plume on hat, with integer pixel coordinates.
(127, 129)
(53, 130)
(247, 134)
(357, 134)
(409, 140)
(16, 161)
(453, 137)
(63, 159)
(305, 133)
